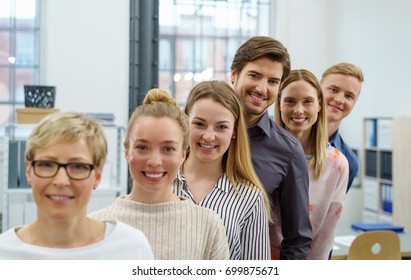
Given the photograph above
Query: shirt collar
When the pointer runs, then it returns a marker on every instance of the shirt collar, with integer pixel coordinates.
(219, 184)
(335, 139)
(263, 125)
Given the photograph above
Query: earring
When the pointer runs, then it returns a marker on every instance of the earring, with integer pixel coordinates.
(233, 137)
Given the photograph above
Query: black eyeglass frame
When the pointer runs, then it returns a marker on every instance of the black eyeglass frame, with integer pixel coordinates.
(64, 165)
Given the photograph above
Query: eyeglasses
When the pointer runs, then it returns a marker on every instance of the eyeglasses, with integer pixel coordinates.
(74, 170)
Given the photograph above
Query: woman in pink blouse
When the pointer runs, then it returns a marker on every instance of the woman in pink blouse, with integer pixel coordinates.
(300, 108)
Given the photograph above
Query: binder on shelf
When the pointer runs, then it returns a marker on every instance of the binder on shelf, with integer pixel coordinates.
(22, 165)
(371, 133)
(17, 165)
(377, 226)
(384, 133)
(371, 163)
(13, 164)
(386, 197)
(386, 165)
(371, 198)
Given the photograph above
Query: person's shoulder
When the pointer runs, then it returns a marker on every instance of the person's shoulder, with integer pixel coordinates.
(7, 235)
(247, 189)
(99, 214)
(125, 228)
(106, 212)
(123, 231)
(335, 155)
(338, 141)
(11, 243)
(342, 146)
(11, 246)
(199, 211)
(128, 242)
(280, 134)
(189, 205)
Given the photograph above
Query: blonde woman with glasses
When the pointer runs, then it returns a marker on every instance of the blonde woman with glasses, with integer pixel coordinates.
(65, 156)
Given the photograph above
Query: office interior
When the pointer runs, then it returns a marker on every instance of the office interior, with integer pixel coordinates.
(85, 53)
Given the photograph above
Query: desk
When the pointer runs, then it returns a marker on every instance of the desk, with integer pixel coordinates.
(341, 250)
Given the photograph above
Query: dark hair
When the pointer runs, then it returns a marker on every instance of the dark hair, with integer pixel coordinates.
(261, 46)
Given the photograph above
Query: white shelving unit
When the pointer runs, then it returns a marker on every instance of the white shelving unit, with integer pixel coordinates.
(18, 207)
(377, 170)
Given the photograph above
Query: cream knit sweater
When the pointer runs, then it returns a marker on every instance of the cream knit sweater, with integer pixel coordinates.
(178, 230)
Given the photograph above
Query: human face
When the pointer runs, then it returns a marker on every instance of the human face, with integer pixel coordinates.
(60, 198)
(340, 93)
(299, 106)
(257, 85)
(155, 156)
(211, 130)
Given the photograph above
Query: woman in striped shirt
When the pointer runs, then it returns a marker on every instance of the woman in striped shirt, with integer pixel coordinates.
(218, 172)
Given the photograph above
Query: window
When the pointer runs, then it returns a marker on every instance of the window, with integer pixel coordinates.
(198, 39)
(19, 53)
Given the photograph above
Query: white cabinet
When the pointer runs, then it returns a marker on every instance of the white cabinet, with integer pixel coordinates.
(377, 170)
(18, 207)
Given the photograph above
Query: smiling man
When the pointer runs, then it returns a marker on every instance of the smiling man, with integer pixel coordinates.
(258, 68)
(341, 85)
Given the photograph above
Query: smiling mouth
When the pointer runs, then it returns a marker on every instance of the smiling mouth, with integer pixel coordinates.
(59, 197)
(300, 120)
(256, 97)
(154, 175)
(335, 107)
(205, 146)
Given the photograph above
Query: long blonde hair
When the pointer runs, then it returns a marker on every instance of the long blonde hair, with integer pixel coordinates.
(237, 162)
(319, 131)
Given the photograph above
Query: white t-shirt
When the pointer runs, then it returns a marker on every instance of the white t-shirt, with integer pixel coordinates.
(121, 242)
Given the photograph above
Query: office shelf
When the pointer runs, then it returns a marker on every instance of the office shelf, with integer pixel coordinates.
(377, 170)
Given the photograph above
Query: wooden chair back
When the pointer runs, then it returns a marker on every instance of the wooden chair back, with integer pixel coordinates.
(375, 245)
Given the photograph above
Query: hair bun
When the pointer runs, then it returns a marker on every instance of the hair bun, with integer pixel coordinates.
(158, 95)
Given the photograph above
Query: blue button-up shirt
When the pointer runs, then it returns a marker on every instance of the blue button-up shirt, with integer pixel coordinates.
(337, 142)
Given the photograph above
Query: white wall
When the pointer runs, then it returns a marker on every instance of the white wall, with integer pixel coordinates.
(85, 53)
(373, 34)
(301, 26)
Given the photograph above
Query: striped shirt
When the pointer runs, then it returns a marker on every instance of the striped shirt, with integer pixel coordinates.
(243, 213)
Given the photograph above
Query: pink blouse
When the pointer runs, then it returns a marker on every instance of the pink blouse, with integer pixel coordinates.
(326, 199)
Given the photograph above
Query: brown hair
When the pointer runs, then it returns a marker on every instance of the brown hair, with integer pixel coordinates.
(261, 46)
